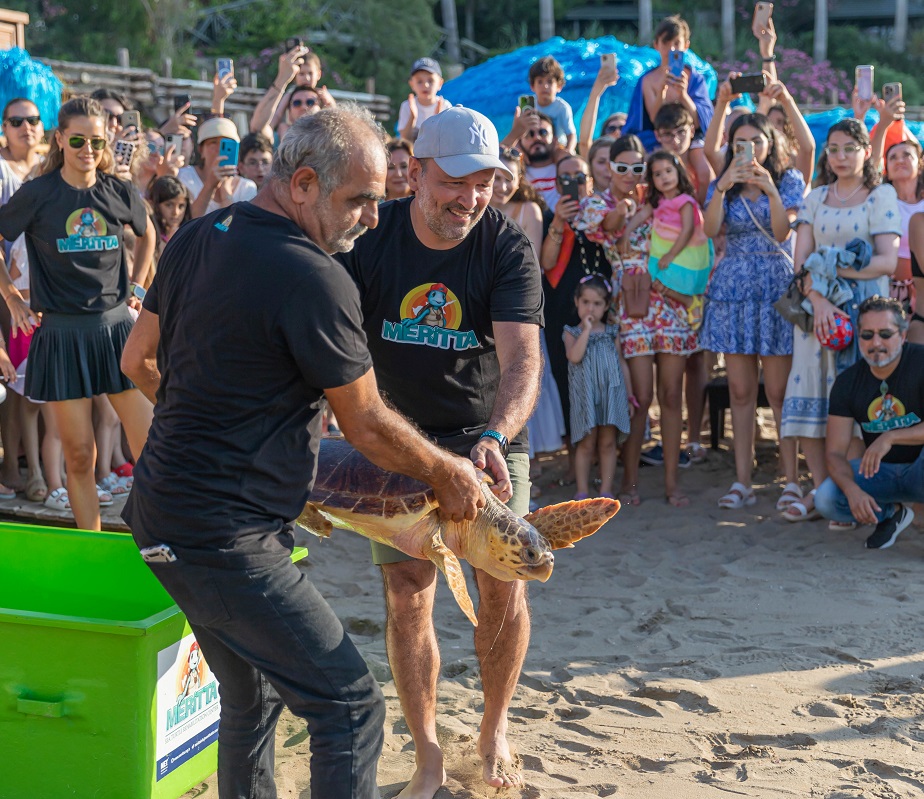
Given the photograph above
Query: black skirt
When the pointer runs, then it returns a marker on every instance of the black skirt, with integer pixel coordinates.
(74, 356)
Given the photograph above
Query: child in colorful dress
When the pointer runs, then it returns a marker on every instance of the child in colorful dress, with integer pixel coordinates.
(681, 254)
(598, 385)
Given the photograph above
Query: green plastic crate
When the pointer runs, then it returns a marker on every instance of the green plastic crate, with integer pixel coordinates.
(96, 697)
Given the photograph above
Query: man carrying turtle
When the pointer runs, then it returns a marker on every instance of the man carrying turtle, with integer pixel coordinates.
(470, 382)
(248, 324)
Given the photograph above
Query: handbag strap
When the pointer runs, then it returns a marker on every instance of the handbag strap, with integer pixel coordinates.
(766, 235)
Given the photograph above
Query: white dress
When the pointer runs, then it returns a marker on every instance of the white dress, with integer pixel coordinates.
(805, 407)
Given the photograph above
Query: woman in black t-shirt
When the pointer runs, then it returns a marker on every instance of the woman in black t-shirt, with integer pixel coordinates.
(73, 217)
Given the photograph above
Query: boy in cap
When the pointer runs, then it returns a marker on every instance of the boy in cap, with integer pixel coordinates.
(424, 101)
(451, 297)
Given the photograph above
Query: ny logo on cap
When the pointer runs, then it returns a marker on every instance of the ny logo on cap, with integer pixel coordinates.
(480, 133)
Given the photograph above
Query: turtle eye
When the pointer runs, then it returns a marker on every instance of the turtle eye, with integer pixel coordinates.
(530, 555)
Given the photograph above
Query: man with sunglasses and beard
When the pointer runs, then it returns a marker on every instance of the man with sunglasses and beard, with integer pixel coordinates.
(533, 135)
(884, 394)
(452, 304)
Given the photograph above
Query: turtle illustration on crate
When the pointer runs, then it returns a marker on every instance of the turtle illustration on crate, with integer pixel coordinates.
(354, 494)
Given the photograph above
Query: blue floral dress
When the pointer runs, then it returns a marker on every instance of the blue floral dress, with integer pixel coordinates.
(740, 318)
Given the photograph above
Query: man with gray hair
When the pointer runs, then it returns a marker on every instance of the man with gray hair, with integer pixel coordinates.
(247, 326)
(452, 304)
(884, 394)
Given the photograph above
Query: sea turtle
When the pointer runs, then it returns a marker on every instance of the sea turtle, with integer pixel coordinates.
(352, 493)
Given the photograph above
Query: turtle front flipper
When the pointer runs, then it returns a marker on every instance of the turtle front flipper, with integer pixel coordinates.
(449, 565)
(563, 524)
(314, 521)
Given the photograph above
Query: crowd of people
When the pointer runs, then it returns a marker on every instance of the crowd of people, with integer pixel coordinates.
(173, 266)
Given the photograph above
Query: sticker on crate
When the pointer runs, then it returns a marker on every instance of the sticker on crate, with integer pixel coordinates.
(187, 705)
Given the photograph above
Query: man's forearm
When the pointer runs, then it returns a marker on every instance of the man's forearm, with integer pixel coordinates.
(516, 395)
(840, 470)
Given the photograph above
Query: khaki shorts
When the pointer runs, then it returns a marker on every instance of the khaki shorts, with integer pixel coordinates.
(517, 464)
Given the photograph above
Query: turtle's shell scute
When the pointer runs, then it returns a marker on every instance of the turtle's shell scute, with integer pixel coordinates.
(349, 481)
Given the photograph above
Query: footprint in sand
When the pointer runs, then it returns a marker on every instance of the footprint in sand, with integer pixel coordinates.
(687, 700)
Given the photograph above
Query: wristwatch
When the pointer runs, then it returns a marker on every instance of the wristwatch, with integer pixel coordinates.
(500, 438)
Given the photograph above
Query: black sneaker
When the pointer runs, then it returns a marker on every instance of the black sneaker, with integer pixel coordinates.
(888, 529)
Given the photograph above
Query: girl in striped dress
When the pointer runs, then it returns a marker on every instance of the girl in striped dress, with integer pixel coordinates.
(599, 386)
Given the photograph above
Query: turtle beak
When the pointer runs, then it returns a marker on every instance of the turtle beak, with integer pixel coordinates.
(538, 563)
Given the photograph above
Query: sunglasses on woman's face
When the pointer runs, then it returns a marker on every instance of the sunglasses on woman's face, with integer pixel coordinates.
(622, 169)
(16, 122)
(307, 103)
(79, 142)
(847, 149)
(613, 127)
(867, 335)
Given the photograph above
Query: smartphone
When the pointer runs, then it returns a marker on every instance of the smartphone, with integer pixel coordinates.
(227, 152)
(224, 67)
(292, 42)
(180, 100)
(744, 152)
(762, 14)
(140, 292)
(675, 62)
(527, 101)
(608, 60)
(891, 91)
(569, 188)
(174, 140)
(864, 81)
(131, 119)
(124, 150)
(752, 83)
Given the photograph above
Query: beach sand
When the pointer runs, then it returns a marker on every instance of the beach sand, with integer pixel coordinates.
(677, 653)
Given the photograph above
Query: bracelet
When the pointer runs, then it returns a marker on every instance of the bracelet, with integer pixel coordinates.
(769, 59)
(556, 235)
(273, 85)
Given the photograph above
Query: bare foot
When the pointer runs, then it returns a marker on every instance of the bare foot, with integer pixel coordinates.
(427, 780)
(629, 496)
(501, 769)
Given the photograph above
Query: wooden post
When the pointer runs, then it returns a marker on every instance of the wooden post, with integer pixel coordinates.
(821, 30)
(900, 38)
(728, 29)
(168, 67)
(122, 58)
(450, 23)
(645, 22)
(546, 20)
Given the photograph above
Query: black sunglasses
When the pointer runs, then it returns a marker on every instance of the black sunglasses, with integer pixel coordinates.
(867, 335)
(578, 177)
(16, 122)
(307, 103)
(79, 142)
(613, 127)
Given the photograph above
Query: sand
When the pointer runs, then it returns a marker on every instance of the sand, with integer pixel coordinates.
(677, 653)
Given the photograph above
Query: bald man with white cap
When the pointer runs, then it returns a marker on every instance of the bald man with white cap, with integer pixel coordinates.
(452, 306)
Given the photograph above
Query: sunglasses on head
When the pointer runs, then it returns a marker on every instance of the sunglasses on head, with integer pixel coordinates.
(307, 103)
(16, 122)
(867, 335)
(636, 169)
(79, 142)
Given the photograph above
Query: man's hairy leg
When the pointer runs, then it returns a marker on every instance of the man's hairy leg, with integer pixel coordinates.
(501, 641)
(413, 652)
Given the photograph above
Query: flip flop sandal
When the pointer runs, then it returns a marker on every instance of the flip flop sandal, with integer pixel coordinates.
(841, 527)
(792, 492)
(36, 488)
(105, 498)
(697, 453)
(6, 492)
(738, 496)
(114, 485)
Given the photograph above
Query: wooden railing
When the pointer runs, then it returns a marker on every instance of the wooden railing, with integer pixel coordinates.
(154, 93)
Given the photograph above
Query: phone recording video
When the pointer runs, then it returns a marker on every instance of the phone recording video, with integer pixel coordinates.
(527, 101)
(224, 67)
(675, 63)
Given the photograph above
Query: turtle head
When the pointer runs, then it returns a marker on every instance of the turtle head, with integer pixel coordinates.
(510, 547)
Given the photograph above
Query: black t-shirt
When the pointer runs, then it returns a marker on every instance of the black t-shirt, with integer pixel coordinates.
(882, 405)
(429, 313)
(255, 322)
(74, 240)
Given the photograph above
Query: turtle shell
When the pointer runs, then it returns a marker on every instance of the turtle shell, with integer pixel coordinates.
(347, 480)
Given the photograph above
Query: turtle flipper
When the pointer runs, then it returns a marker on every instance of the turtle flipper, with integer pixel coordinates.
(449, 565)
(314, 522)
(563, 524)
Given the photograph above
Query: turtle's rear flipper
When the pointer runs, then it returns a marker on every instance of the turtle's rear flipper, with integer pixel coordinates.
(314, 522)
(449, 565)
(563, 524)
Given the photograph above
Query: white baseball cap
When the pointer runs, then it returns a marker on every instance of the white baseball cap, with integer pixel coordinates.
(461, 141)
(217, 128)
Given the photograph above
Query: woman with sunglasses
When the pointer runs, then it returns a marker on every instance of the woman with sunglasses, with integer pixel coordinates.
(74, 217)
(756, 201)
(22, 127)
(849, 203)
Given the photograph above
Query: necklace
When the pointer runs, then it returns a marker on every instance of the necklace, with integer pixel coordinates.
(840, 199)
